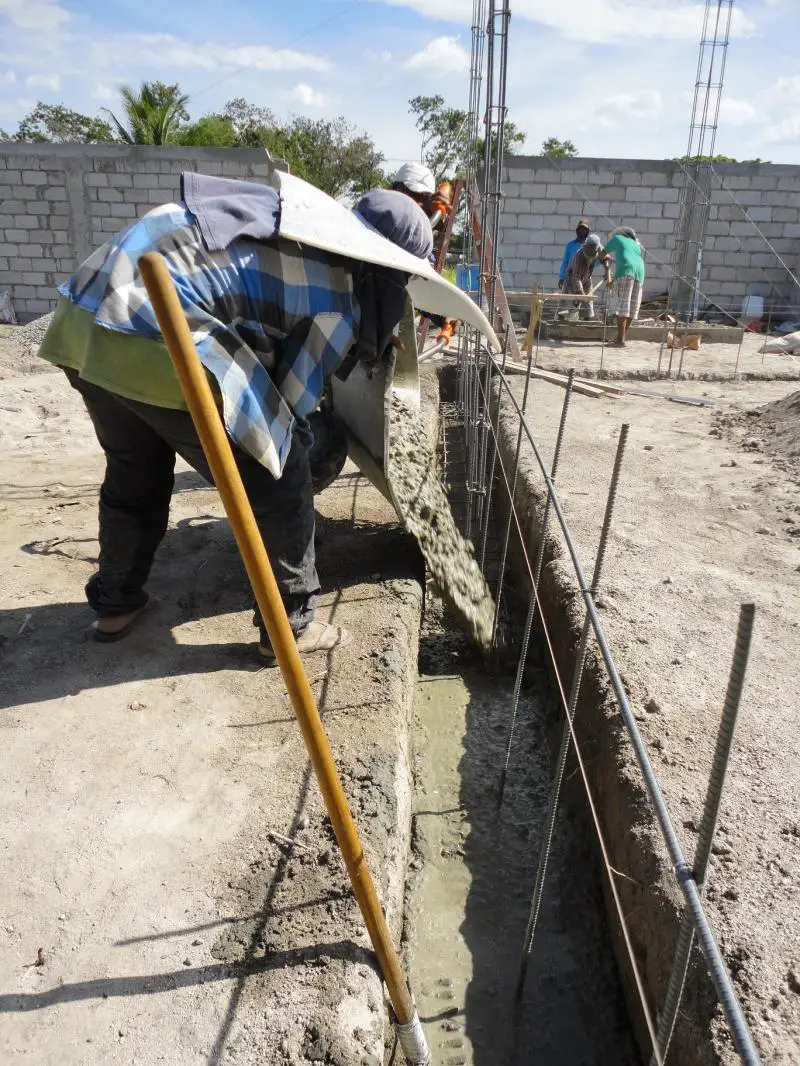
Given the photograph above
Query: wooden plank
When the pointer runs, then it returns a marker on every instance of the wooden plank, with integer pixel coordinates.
(556, 379)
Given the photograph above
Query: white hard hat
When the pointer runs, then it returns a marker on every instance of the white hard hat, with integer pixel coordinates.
(416, 177)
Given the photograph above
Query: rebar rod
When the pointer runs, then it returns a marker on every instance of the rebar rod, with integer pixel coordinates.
(531, 616)
(708, 824)
(561, 761)
(719, 975)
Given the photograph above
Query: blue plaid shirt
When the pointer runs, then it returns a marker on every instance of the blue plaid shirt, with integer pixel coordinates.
(270, 320)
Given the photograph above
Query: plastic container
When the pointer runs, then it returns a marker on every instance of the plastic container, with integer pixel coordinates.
(467, 277)
(753, 307)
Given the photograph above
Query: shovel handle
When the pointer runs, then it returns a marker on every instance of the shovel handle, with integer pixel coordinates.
(216, 446)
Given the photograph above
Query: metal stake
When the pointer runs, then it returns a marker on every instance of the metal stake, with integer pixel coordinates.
(547, 842)
(708, 824)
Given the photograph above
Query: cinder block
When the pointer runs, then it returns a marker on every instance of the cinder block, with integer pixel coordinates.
(26, 192)
(62, 251)
(145, 181)
(558, 190)
(627, 178)
(33, 277)
(741, 229)
(507, 221)
(661, 225)
(17, 235)
(514, 264)
(640, 210)
(20, 262)
(779, 199)
(788, 184)
(120, 181)
(55, 192)
(95, 180)
(12, 177)
(569, 209)
(722, 274)
(612, 193)
(123, 210)
(161, 196)
(9, 248)
(711, 258)
(790, 229)
(514, 205)
(779, 214)
(24, 291)
(36, 251)
(533, 190)
(109, 196)
(655, 179)
(511, 188)
(725, 244)
(638, 195)
(60, 209)
(33, 177)
(111, 225)
(666, 196)
(41, 306)
(3, 267)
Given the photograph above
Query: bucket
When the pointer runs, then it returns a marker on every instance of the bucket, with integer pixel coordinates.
(753, 307)
(467, 278)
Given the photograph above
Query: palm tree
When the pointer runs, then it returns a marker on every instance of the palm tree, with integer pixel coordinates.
(153, 113)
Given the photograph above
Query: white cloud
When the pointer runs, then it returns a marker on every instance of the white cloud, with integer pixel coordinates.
(8, 77)
(733, 112)
(787, 131)
(596, 21)
(34, 14)
(640, 104)
(305, 96)
(43, 81)
(104, 92)
(441, 56)
(164, 51)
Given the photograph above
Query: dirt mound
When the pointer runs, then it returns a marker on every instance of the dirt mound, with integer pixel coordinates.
(18, 355)
(780, 422)
(773, 429)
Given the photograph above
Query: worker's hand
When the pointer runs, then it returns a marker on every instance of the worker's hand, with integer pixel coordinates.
(441, 200)
(446, 332)
(560, 284)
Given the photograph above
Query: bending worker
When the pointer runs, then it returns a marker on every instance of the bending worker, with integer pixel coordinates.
(626, 291)
(582, 231)
(578, 278)
(272, 320)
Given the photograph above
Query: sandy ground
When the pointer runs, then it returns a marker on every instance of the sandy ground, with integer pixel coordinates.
(705, 521)
(142, 781)
(641, 359)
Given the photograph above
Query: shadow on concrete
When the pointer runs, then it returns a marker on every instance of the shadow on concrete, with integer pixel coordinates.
(197, 575)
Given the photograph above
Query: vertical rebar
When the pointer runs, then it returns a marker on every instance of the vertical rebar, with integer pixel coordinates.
(580, 661)
(708, 824)
(498, 595)
(537, 573)
(490, 481)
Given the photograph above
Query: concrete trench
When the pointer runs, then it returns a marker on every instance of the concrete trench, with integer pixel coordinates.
(472, 870)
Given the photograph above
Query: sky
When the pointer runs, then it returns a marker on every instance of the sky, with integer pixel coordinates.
(614, 76)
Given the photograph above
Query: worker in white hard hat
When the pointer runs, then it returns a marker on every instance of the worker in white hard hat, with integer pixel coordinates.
(417, 181)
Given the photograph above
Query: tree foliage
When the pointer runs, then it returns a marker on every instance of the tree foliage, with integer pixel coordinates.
(446, 137)
(557, 149)
(57, 124)
(154, 113)
(332, 153)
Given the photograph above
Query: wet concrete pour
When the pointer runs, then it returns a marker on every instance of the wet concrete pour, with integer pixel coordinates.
(470, 883)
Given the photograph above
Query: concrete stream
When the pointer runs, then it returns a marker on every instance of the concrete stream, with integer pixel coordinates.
(471, 878)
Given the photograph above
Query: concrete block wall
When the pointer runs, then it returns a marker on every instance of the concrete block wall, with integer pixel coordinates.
(59, 202)
(542, 200)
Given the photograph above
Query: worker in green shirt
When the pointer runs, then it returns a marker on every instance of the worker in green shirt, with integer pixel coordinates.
(626, 289)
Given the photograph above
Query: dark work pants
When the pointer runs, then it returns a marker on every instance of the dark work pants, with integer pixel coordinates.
(140, 442)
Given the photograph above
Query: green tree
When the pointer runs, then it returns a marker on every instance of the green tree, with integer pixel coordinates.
(330, 153)
(154, 113)
(707, 159)
(4, 136)
(251, 123)
(57, 124)
(446, 135)
(559, 149)
(211, 131)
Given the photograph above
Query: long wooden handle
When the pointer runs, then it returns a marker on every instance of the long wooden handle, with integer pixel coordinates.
(216, 446)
